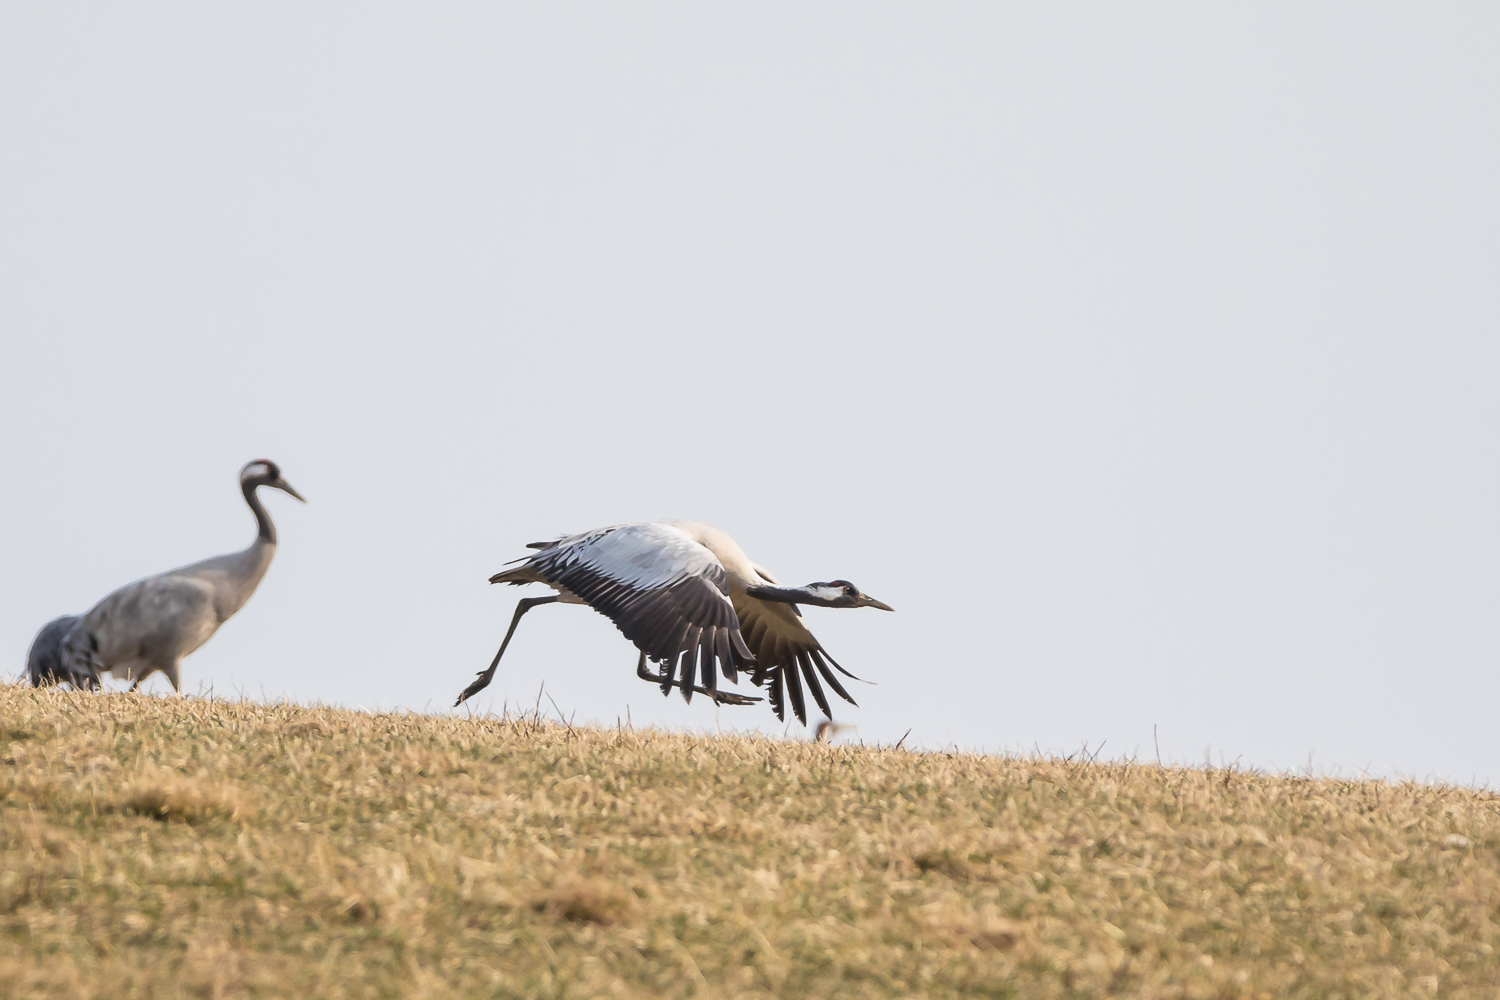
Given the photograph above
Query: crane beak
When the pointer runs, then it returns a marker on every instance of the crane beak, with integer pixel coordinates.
(870, 602)
(286, 487)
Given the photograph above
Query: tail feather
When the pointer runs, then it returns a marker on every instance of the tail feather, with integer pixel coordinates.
(519, 575)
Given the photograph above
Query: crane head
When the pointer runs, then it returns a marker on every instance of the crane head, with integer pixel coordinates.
(843, 594)
(264, 472)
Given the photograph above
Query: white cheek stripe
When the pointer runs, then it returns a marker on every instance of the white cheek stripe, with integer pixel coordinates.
(828, 593)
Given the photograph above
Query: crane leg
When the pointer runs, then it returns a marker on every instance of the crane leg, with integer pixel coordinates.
(485, 676)
(719, 697)
(170, 669)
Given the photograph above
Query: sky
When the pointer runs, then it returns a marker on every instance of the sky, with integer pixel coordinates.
(1145, 360)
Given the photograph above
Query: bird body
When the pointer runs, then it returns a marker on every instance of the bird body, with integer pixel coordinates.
(153, 623)
(44, 661)
(163, 618)
(691, 600)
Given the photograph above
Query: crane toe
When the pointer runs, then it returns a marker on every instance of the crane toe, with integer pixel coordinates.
(730, 698)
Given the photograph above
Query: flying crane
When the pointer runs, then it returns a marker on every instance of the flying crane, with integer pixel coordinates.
(695, 605)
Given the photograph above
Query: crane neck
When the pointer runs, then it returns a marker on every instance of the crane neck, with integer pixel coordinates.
(262, 519)
(790, 595)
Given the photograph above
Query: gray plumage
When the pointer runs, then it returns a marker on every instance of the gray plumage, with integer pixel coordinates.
(152, 624)
(44, 662)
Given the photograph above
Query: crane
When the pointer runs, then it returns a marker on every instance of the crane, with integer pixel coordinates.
(688, 597)
(44, 663)
(152, 624)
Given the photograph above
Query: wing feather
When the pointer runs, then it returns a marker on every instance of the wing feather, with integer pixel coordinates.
(817, 655)
(652, 580)
(726, 658)
(689, 653)
(812, 683)
(785, 651)
(794, 688)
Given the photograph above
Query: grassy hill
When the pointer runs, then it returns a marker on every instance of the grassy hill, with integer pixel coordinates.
(163, 847)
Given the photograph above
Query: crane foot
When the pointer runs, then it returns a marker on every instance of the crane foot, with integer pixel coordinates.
(729, 697)
(473, 689)
(719, 697)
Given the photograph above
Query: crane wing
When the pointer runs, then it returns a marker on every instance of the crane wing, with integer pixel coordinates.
(664, 591)
(783, 647)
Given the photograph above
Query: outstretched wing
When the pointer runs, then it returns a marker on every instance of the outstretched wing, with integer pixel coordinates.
(665, 592)
(785, 653)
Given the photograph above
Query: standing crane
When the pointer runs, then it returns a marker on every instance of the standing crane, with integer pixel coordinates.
(688, 597)
(152, 624)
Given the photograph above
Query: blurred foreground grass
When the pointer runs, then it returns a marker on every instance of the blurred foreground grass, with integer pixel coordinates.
(164, 847)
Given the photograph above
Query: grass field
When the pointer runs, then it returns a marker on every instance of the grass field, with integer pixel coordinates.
(164, 847)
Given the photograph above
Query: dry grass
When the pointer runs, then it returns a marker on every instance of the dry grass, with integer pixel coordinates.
(165, 795)
(160, 847)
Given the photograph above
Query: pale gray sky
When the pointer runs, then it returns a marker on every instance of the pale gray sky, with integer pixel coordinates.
(1145, 361)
